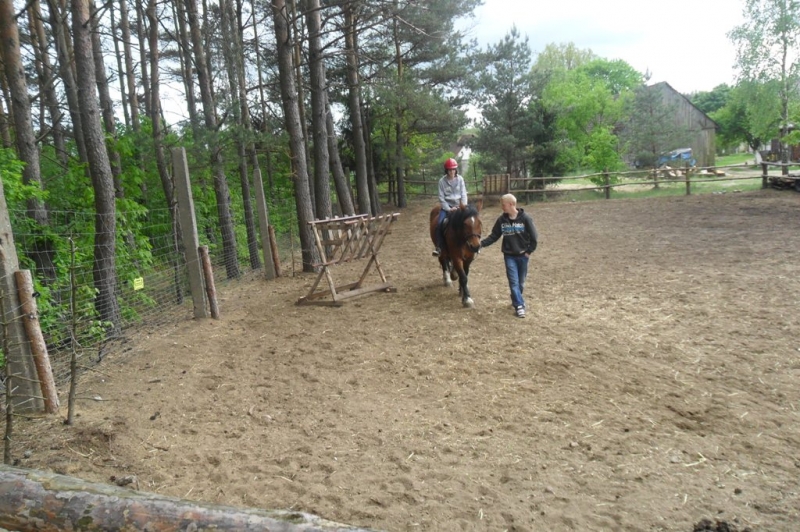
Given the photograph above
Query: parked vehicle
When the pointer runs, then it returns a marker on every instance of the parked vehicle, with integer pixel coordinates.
(679, 157)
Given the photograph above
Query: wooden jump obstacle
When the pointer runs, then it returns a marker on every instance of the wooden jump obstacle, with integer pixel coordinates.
(343, 240)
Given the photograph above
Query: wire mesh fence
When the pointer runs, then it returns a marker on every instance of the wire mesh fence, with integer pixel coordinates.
(150, 281)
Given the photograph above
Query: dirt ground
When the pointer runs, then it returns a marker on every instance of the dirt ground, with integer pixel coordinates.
(653, 384)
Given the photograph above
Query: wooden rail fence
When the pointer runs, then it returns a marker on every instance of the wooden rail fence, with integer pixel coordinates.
(499, 184)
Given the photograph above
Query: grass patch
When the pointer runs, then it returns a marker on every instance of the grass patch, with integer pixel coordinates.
(736, 158)
(699, 185)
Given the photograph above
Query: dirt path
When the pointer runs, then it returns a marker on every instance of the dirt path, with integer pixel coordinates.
(653, 384)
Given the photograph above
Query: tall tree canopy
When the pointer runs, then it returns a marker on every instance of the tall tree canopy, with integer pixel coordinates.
(505, 88)
(768, 50)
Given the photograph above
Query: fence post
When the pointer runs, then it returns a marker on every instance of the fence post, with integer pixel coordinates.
(688, 183)
(208, 275)
(607, 181)
(188, 221)
(26, 396)
(263, 224)
(41, 360)
(764, 176)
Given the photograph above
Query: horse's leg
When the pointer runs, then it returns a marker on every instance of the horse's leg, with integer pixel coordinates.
(463, 288)
(465, 296)
(446, 266)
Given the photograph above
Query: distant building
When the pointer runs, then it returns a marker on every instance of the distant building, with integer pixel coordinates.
(703, 130)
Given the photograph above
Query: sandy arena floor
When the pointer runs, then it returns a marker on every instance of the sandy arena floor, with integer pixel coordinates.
(653, 384)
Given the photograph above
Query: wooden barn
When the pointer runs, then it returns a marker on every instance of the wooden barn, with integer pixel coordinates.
(701, 127)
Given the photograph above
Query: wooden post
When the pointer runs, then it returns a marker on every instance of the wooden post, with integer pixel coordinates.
(688, 183)
(764, 175)
(26, 397)
(424, 183)
(188, 221)
(9, 386)
(30, 320)
(607, 181)
(208, 275)
(263, 225)
(276, 257)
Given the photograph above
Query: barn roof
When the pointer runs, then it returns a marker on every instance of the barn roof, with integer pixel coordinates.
(705, 121)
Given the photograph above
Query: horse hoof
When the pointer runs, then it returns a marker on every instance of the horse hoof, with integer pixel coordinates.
(469, 303)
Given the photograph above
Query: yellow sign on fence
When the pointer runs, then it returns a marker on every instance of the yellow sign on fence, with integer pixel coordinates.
(138, 283)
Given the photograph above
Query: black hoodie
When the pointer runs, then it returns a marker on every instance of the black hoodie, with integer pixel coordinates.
(519, 235)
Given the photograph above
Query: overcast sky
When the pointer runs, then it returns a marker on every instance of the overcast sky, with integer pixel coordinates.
(682, 42)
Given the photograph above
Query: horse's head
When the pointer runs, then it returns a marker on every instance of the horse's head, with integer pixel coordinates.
(466, 224)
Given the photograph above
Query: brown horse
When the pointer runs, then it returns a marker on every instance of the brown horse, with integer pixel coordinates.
(462, 237)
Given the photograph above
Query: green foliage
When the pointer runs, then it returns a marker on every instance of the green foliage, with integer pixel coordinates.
(711, 101)
(506, 87)
(617, 76)
(742, 118)
(768, 52)
(562, 57)
(766, 43)
(419, 86)
(16, 192)
(646, 159)
(591, 100)
(602, 152)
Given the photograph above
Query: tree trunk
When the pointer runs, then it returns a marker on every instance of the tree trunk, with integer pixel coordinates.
(372, 182)
(187, 68)
(42, 251)
(400, 143)
(5, 133)
(341, 181)
(354, 102)
(47, 75)
(104, 271)
(319, 112)
(66, 69)
(141, 32)
(291, 112)
(106, 105)
(133, 98)
(155, 108)
(257, 47)
(295, 37)
(232, 51)
(123, 89)
(209, 112)
(48, 502)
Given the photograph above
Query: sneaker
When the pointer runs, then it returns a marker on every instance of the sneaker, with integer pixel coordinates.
(436, 252)
(520, 312)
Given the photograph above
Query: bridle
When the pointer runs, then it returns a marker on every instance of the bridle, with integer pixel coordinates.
(469, 237)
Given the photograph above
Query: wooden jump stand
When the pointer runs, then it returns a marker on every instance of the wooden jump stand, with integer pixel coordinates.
(343, 240)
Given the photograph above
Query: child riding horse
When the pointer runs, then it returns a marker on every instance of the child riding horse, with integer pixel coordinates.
(462, 239)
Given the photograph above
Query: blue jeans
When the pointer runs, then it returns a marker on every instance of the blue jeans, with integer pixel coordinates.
(439, 232)
(516, 271)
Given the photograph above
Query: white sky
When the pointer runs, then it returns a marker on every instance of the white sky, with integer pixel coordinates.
(682, 42)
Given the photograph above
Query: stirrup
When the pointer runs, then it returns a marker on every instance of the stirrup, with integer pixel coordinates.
(436, 252)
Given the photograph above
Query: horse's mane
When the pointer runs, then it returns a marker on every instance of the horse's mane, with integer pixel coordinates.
(458, 217)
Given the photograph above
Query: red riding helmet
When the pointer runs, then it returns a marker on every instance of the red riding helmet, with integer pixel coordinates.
(450, 164)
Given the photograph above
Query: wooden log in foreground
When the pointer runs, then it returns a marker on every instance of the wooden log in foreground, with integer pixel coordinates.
(32, 500)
